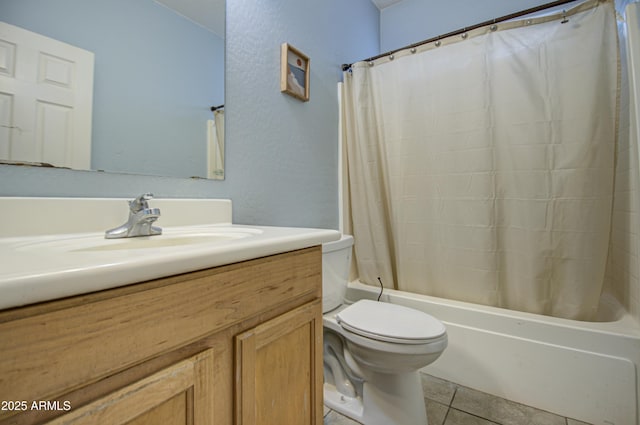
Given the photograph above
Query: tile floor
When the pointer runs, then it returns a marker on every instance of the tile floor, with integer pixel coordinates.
(451, 404)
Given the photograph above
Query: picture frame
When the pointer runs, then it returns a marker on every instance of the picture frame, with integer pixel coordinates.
(294, 72)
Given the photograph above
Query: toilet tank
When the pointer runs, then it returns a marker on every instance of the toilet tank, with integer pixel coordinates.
(336, 263)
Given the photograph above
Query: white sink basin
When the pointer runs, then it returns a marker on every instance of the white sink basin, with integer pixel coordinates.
(65, 253)
(170, 238)
(161, 241)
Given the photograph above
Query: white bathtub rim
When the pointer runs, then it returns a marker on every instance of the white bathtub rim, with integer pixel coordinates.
(625, 326)
(591, 354)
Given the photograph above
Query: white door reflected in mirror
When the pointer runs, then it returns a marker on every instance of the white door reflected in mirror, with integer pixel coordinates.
(155, 80)
(46, 99)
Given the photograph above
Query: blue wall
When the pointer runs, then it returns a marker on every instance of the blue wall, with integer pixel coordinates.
(412, 21)
(281, 164)
(285, 149)
(156, 76)
(282, 154)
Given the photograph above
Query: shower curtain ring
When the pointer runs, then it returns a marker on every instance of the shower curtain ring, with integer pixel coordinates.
(564, 17)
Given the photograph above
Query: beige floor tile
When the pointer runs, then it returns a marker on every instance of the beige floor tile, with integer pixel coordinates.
(502, 411)
(335, 418)
(457, 417)
(436, 412)
(438, 389)
(576, 422)
(326, 411)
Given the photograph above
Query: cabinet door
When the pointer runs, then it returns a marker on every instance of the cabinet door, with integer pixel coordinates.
(181, 394)
(279, 370)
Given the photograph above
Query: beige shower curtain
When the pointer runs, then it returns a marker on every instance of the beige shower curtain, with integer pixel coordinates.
(481, 169)
(215, 146)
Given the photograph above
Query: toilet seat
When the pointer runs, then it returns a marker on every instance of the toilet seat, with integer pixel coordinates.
(390, 323)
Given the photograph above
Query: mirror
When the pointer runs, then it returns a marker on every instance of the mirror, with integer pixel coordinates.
(158, 71)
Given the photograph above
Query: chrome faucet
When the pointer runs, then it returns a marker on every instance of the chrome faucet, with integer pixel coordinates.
(140, 221)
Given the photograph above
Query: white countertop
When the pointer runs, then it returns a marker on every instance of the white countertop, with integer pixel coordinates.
(42, 268)
(41, 259)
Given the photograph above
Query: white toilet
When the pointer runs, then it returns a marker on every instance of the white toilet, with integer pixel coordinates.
(373, 350)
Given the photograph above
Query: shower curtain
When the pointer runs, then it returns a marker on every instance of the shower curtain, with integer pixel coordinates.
(633, 59)
(481, 167)
(215, 146)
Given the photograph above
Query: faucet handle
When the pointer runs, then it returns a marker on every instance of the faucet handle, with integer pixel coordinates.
(140, 203)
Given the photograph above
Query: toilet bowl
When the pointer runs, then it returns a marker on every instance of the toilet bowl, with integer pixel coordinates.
(373, 350)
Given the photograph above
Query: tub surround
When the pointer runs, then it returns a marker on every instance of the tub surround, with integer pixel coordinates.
(55, 247)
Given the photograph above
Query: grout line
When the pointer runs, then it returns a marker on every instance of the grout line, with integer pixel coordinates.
(455, 391)
(446, 415)
(449, 406)
(470, 414)
(328, 413)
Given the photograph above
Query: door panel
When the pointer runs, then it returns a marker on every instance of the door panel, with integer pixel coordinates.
(46, 99)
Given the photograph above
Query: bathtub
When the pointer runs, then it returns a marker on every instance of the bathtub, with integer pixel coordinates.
(583, 370)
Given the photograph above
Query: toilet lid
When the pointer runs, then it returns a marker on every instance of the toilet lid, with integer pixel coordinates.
(390, 322)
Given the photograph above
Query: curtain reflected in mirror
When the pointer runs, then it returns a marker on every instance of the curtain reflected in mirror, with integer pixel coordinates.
(215, 133)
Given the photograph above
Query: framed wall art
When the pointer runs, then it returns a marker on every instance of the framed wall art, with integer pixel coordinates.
(294, 72)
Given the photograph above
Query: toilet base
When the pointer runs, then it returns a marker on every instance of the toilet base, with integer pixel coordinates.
(351, 407)
(387, 399)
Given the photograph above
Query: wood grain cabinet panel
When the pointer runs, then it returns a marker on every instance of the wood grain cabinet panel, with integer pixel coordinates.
(163, 352)
(279, 370)
(181, 394)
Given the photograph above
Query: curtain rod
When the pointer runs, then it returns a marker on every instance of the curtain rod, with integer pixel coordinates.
(347, 66)
(215, 108)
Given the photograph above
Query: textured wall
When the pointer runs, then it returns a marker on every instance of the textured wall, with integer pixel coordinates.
(282, 155)
(411, 21)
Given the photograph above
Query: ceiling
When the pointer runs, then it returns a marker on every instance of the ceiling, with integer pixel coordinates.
(207, 13)
(211, 13)
(381, 4)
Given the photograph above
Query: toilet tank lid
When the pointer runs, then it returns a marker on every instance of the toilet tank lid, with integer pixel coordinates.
(390, 321)
(345, 241)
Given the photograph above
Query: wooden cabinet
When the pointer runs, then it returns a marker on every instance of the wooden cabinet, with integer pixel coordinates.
(279, 369)
(177, 395)
(238, 344)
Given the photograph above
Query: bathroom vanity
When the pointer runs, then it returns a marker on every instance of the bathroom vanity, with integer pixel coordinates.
(234, 343)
